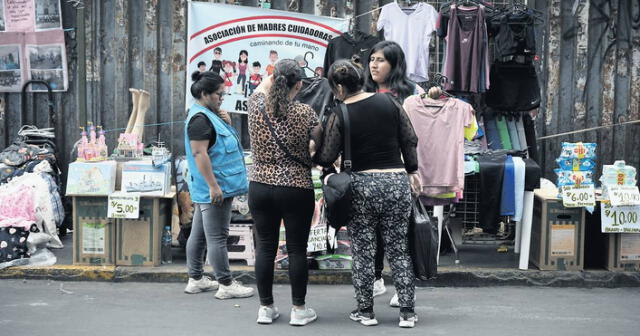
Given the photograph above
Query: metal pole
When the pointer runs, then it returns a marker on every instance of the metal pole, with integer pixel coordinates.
(81, 76)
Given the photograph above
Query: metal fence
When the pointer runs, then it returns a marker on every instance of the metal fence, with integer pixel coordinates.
(589, 70)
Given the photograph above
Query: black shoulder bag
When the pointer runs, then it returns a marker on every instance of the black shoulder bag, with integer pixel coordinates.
(337, 190)
(280, 144)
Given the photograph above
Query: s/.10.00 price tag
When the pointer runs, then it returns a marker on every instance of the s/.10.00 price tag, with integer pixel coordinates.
(623, 219)
(123, 205)
(578, 196)
(623, 195)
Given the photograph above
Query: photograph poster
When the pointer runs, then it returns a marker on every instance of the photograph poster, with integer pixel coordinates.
(32, 45)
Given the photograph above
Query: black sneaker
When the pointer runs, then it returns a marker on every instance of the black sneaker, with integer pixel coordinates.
(408, 320)
(368, 319)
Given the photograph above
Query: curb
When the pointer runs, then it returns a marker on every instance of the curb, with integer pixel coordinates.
(447, 276)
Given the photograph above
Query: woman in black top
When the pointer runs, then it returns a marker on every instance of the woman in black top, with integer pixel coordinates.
(381, 184)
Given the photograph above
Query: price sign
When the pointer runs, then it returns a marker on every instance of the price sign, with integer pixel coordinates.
(123, 205)
(578, 196)
(620, 219)
(623, 195)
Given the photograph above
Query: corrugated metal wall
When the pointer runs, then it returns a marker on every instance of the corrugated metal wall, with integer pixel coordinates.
(587, 80)
(591, 77)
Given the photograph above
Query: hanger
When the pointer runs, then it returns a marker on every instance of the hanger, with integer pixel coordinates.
(307, 64)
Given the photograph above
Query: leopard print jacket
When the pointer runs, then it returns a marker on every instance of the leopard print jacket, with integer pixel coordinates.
(271, 164)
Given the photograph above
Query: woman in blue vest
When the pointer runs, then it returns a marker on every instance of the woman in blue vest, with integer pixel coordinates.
(217, 174)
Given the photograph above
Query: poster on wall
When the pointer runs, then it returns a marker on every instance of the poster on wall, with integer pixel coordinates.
(243, 43)
(32, 45)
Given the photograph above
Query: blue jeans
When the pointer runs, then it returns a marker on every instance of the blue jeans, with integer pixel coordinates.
(209, 231)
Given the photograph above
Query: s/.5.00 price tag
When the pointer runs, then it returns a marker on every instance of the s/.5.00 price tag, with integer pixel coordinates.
(123, 205)
(623, 219)
(623, 195)
(578, 196)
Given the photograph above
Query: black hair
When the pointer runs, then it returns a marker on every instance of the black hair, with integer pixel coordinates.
(347, 73)
(217, 49)
(206, 82)
(273, 52)
(286, 75)
(246, 54)
(201, 63)
(397, 80)
(256, 64)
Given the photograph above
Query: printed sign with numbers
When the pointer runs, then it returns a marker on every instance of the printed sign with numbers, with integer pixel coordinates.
(623, 219)
(123, 205)
(623, 195)
(578, 196)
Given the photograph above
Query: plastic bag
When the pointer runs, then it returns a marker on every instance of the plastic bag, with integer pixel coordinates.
(423, 243)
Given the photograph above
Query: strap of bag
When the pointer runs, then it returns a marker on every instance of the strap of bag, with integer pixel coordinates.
(280, 144)
(347, 139)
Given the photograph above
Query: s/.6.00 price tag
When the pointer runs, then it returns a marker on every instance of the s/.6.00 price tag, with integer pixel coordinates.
(578, 196)
(623, 195)
(123, 205)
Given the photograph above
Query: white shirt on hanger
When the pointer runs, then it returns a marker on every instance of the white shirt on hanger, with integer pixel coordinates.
(412, 31)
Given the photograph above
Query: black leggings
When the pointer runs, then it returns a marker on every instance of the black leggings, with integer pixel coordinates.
(269, 206)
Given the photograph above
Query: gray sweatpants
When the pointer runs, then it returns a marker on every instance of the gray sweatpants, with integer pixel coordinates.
(209, 231)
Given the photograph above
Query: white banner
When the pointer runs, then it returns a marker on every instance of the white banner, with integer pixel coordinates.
(242, 44)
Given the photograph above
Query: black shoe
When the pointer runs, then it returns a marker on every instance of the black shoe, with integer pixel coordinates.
(368, 319)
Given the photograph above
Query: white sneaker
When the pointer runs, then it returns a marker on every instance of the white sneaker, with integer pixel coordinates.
(302, 317)
(234, 290)
(379, 288)
(266, 315)
(205, 284)
(408, 320)
(367, 319)
(395, 302)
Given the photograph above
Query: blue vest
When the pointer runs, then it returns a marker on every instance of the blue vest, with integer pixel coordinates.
(226, 157)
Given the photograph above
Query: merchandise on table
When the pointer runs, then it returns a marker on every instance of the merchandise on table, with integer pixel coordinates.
(576, 164)
(569, 177)
(92, 148)
(578, 150)
(618, 173)
(145, 178)
(91, 178)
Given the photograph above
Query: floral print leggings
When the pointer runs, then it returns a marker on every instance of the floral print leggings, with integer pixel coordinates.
(384, 200)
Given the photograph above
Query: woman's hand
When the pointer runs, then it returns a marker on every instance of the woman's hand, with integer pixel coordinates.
(224, 115)
(416, 183)
(216, 195)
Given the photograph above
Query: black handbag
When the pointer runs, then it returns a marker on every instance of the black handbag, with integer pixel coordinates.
(423, 242)
(337, 190)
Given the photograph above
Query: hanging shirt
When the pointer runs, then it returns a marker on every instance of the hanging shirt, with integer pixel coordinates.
(412, 31)
(347, 45)
(466, 50)
(439, 125)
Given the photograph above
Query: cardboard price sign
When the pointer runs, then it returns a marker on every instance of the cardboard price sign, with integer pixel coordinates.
(317, 238)
(124, 205)
(620, 219)
(578, 196)
(623, 195)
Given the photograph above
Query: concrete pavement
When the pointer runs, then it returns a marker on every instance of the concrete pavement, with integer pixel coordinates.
(30, 307)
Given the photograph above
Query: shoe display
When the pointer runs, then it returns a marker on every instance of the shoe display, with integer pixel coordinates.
(408, 320)
(266, 315)
(379, 288)
(205, 284)
(368, 319)
(302, 317)
(234, 290)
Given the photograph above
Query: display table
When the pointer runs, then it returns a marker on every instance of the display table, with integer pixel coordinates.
(99, 240)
